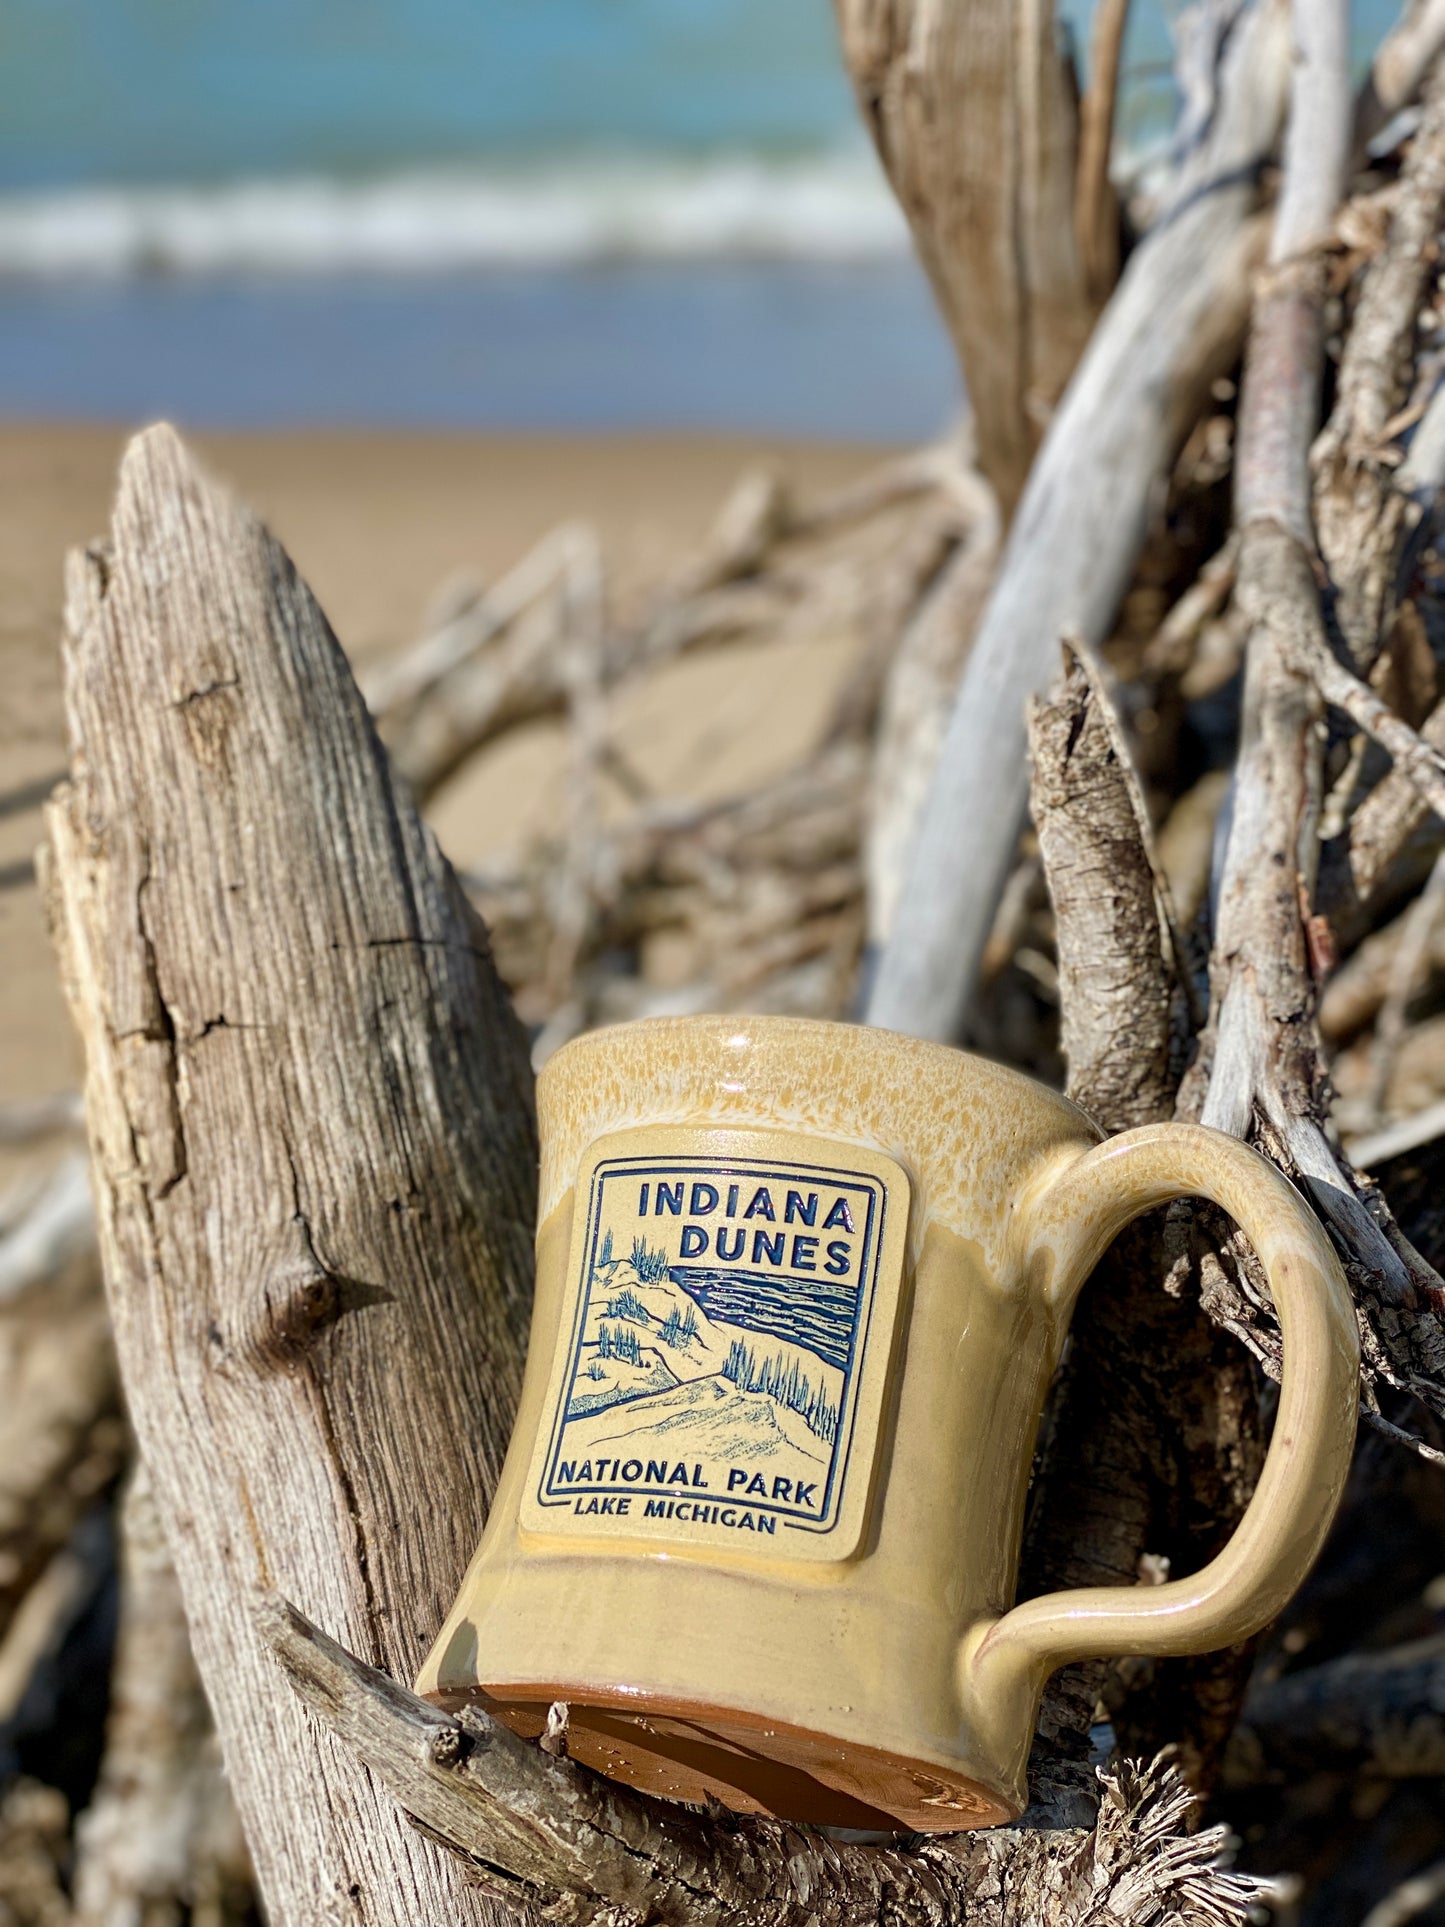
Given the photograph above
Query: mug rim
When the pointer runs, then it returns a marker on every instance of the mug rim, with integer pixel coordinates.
(748, 1028)
(903, 1097)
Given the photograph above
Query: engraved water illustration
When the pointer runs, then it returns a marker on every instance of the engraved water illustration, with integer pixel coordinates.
(717, 1339)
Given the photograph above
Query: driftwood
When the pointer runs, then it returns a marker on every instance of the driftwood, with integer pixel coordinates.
(37, 1117)
(1172, 325)
(1262, 970)
(1376, 1713)
(991, 197)
(309, 1110)
(539, 1828)
(925, 664)
(512, 656)
(1155, 1441)
(1260, 1056)
(1400, 64)
(33, 1847)
(1360, 506)
(330, 1327)
(62, 1442)
(1409, 1899)
(309, 1105)
(1097, 213)
(51, 1227)
(1118, 982)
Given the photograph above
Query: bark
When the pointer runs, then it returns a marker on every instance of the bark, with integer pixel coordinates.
(310, 1117)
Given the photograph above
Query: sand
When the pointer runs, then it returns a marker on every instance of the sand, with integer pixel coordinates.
(377, 523)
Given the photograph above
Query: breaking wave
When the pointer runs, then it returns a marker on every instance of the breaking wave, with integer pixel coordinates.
(824, 206)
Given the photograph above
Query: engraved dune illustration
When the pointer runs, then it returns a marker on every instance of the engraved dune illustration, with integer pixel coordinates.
(655, 1370)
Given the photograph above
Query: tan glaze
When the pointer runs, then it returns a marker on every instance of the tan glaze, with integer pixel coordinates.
(859, 1664)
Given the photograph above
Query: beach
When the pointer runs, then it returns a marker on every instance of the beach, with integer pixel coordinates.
(378, 523)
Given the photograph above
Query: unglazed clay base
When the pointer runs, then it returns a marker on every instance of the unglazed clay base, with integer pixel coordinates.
(687, 1751)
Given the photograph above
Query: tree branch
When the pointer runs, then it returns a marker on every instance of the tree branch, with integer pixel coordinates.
(536, 1826)
(1096, 205)
(1174, 323)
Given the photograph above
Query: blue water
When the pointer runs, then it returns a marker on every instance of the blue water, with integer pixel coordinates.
(137, 90)
(816, 350)
(552, 214)
(818, 1313)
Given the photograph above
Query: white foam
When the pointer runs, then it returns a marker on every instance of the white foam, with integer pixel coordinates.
(832, 206)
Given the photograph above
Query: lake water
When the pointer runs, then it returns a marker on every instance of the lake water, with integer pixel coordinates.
(818, 1313)
(510, 213)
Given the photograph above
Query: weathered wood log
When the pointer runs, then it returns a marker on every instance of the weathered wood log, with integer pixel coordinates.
(310, 1113)
(539, 1827)
(1173, 324)
(310, 1117)
(989, 194)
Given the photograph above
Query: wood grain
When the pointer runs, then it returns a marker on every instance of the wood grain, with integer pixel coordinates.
(533, 1824)
(310, 1114)
(1174, 322)
(989, 193)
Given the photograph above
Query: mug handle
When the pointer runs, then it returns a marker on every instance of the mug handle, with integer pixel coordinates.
(1067, 1228)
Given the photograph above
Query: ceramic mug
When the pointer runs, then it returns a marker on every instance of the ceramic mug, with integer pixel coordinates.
(801, 1289)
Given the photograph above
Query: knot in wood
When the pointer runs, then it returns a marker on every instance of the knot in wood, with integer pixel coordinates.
(300, 1299)
(447, 1747)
